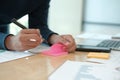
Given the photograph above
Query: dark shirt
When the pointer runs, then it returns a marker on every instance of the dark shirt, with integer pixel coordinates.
(37, 11)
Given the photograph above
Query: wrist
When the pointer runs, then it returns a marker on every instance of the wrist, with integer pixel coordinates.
(8, 42)
(52, 38)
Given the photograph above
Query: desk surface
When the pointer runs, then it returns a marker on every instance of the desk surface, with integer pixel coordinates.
(36, 67)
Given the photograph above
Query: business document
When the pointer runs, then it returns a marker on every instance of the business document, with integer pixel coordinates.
(73, 70)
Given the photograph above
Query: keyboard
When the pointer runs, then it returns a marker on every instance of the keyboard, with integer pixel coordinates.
(109, 44)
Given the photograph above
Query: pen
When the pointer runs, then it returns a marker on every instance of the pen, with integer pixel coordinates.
(18, 24)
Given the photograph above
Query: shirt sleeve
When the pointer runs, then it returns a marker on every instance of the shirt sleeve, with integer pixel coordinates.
(38, 19)
(2, 40)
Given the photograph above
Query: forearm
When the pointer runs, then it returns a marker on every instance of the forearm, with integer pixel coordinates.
(38, 20)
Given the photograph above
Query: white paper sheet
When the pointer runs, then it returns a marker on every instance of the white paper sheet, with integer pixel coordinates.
(12, 55)
(72, 70)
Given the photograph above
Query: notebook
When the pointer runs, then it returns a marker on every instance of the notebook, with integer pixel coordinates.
(96, 45)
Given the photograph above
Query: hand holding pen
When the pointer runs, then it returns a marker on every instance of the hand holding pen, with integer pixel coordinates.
(24, 40)
(68, 40)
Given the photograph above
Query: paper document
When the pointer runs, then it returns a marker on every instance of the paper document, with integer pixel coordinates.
(12, 55)
(72, 70)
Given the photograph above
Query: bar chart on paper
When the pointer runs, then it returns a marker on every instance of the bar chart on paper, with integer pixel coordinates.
(85, 73)
(96, 72)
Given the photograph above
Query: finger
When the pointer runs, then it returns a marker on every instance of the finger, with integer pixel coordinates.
(71, 45)
(62, 40)
(72, 49)
(68, 40)
(23, 48)
(30, 45)
(28, 38)
(30, 31)
(38, 32)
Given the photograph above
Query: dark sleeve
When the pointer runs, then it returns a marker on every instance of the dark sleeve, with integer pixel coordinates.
(2, 40)
(38, 19)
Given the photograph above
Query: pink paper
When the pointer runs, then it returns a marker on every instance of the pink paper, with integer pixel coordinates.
(56, 49)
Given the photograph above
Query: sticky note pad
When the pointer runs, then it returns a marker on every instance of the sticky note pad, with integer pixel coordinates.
(56, 50)
(98, 55)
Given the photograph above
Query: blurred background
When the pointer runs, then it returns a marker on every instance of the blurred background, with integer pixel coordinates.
(81, 16)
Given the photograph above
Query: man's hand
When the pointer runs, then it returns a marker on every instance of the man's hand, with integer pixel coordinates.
(67, 40)
(24, 40)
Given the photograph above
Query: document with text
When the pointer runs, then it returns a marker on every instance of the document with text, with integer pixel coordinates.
(72, 70)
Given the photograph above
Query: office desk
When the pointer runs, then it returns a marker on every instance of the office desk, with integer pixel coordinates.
(36, 67)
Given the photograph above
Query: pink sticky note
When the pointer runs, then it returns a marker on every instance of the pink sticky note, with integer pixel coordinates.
(56, 49)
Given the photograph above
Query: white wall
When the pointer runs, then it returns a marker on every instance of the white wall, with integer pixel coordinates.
(107, 11)
(65, 16)
(102, 16)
